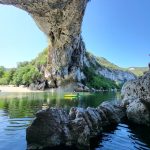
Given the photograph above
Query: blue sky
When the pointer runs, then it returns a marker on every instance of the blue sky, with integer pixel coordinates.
(118, 30)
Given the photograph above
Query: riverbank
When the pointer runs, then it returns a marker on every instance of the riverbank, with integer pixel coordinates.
(11, 88)
(67, 88)
(23, 89)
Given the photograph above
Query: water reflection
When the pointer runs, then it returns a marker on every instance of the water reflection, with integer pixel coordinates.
(25, 105)
(123, 137)
(17, 110)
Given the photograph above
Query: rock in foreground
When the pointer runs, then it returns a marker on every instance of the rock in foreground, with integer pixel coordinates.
(54, 127)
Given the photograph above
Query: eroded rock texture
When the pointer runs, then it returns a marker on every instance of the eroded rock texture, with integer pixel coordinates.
(136, 98)
(54, 127)
(117, 75)
(61, 21)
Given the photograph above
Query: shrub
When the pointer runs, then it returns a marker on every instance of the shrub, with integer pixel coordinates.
(7, 77)
(26, 75)
(2, 71)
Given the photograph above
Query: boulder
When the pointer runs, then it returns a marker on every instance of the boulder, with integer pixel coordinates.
(54, 127)
(86, 89)
(38, 86)
(93, 90)
(48, 129)
(138, 113)
(113, 112)
(136, 98)
(51, 84)
(78, 89)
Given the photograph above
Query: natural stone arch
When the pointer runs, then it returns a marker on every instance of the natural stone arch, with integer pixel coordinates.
(61, 21)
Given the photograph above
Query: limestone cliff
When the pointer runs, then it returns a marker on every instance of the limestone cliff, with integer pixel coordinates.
(61, 21)
(113, 73)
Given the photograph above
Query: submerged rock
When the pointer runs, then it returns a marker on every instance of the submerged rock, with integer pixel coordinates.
(54, 127)
(136, 98)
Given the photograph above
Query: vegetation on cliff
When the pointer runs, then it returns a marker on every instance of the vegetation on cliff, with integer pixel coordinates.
(27, 73)
(6, 75)
(98, 82)
(104, 62)
(138, 71)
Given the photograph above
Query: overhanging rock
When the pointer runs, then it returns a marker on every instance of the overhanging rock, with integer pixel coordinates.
(61, 21)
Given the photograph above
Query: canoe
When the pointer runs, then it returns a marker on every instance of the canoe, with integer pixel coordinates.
(70, 98)
(71, 95)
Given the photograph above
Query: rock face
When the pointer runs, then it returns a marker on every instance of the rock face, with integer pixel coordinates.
(54, 127)
(136, 98)
(138, 112)
(61, 21)
(117, 75)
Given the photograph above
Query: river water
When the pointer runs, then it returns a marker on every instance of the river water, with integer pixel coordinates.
(17, 111)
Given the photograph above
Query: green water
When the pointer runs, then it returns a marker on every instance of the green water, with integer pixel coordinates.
(17, 110)
(20, 105)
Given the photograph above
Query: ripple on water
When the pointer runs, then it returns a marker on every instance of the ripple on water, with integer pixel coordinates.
(121, 138)
(17, 113)
(12, 132)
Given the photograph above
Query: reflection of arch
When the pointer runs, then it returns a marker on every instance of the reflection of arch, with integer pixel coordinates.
(61, 22)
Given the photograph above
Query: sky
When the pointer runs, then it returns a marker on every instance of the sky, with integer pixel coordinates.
(118, 30)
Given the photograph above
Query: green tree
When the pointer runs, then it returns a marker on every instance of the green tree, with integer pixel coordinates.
(97, 81)
(26, 75)
(2, 71)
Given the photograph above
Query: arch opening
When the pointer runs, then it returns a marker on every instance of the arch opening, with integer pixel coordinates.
(61, 22)
(21, 39)
(67, 58)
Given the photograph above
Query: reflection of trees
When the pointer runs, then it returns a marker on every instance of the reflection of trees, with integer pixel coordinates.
(28, 104)
(18, 108)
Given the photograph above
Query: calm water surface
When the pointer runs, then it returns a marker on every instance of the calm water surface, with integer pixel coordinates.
(17, 110)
